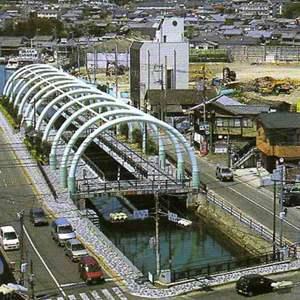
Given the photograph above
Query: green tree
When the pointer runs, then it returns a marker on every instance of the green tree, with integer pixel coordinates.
(291, 10)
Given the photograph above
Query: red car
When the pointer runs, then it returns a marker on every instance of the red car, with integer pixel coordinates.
(89, 270)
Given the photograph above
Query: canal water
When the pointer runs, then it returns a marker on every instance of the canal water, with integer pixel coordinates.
(180, 248)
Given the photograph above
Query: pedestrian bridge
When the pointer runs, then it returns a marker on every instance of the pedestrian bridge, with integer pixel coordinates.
(42, 94)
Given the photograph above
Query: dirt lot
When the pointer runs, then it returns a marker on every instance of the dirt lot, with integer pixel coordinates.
(246, 72)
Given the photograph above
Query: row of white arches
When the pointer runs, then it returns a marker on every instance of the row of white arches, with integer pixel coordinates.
(39, 88)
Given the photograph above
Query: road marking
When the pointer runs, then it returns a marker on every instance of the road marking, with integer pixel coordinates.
(73, 284)
(72, 297)
(262, 207)
(255, 203)
(119, 293)
(95, 295)
(44, 263)
(107, 294)
(84, 296)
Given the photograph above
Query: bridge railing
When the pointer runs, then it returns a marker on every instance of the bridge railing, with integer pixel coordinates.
(92, 186)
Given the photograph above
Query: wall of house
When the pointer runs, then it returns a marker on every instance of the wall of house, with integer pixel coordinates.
(163, 57)
(285, 151)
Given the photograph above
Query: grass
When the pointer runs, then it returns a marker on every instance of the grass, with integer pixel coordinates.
(9, 118)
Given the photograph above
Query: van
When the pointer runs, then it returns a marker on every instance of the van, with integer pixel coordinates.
(224, 173)
(8, 238)
(61, 231)
(89, 270)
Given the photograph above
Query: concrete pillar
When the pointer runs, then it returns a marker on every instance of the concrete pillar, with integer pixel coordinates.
(162, 158)
(180, 170)
(52, 161)
(130, 137)
(144, 143)
(63, 176)
(196, 179)
(118, 129)
(71, 185)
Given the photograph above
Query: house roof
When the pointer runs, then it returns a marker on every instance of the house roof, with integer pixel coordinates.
(224, 100)
(280, 120)
(246, 109)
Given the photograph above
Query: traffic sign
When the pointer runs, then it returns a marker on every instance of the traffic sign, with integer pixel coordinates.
(172, 217)
(141, 214)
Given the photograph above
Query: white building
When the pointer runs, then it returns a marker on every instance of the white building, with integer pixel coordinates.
(162, 63)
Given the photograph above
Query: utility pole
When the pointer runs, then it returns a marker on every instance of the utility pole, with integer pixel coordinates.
(22, 250)
(78, 58)
(274, 219)
(95, 62)
(157, 241)
(31, 280)
(281, 161)
(116, 71)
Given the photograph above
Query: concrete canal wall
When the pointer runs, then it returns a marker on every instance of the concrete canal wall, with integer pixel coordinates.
(238, 233)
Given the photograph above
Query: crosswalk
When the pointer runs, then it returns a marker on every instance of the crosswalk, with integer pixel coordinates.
(113, 293)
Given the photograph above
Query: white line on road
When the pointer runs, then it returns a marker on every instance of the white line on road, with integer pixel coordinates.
(107, 294)
(262, 207)
(96, 295)
(255, 203)
(43, 261)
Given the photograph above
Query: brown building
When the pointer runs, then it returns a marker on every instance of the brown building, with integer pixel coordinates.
(278, 135)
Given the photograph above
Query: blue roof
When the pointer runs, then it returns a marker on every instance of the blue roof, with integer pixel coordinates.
(259, 33)
(62, 221)
(224, 100)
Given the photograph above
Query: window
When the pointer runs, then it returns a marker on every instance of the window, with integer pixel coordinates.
(165, 38)
(247, 123)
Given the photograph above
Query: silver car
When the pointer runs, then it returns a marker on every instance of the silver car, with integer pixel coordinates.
(75, 250)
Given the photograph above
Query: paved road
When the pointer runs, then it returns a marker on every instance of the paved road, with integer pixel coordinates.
(255, 202)
(17, 194)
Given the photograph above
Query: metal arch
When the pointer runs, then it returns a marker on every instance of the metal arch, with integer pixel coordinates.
(19, 73)
(90, 137)
(72, 141)
(60, 89)
(97, 118)
(29, 89)
(47, 87)
(64, 107)
(57, 99)
(23, 83)
(72, 118)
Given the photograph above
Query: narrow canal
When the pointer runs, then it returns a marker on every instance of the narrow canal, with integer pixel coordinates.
(181, 248)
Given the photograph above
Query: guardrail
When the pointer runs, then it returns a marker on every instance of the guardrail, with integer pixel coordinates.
(238, 214)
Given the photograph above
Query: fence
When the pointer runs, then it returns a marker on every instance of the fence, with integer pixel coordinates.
(227, 266)
(252, 224)
(262, 53)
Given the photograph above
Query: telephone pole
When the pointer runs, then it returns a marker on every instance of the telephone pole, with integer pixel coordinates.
(157, 241)
(31, 280)
(22, 250)
(116, 71)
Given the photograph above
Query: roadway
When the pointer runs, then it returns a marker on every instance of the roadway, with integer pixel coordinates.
(54, 273)
(255, 202)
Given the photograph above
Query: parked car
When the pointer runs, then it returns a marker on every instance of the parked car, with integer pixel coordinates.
(291, 197)
(254, 284)
(61, 231)
(38, 216)
(8, 238)
(89, 270)
(75, 250)
(224, 173)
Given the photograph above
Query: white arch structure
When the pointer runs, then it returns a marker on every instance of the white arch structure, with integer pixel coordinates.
(48, 88)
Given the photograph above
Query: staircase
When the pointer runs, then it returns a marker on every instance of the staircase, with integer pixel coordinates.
(248, 155)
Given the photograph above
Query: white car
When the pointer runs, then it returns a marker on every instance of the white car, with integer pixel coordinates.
(8, 238)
